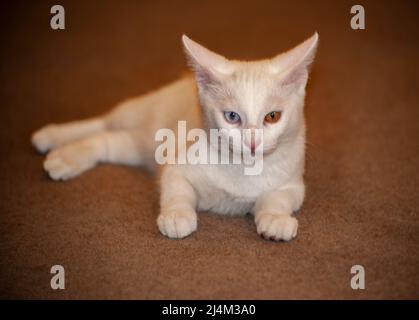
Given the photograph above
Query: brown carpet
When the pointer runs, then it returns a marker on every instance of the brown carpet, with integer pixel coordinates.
(362, 167)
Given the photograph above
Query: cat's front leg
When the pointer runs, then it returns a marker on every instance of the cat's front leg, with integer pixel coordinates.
(273, 212)
(177, 218)
(55, 135)
(72, 159)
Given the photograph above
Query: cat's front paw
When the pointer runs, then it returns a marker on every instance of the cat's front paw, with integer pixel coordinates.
(177, 223)
(68, 162)
(276, 227)
(43, 139)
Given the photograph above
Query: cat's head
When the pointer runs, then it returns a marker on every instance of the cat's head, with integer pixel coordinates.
(265, 94)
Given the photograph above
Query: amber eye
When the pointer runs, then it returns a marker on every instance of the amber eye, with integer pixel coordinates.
(272, 117)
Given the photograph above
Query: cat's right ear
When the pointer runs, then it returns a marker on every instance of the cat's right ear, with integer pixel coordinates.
(209, 67)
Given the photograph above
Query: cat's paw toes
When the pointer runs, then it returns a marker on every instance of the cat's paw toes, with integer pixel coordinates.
(276, 227)
(43, 139)
(58, 168)
(177, 223)
(62, 164)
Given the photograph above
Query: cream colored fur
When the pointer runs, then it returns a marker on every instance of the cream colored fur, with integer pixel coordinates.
(252, 89)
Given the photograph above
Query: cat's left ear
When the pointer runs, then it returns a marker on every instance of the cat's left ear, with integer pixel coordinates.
(292, 66)
(209, 66)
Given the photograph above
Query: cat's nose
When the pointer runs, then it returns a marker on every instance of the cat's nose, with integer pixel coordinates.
(252, 138)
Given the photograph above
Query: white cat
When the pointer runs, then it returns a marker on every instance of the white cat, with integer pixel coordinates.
(267, 94)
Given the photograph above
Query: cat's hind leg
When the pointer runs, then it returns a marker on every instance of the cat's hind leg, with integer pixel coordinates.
(70, 160)
(56, 135)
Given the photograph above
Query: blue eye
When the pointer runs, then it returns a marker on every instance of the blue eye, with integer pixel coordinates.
(232, 117)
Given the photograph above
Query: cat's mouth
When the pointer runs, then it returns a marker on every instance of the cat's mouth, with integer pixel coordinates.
(267, 150)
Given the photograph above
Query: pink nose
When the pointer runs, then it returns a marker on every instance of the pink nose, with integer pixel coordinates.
(253, 145)
(253, 142)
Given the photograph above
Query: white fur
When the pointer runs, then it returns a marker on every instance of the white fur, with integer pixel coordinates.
(251, 89)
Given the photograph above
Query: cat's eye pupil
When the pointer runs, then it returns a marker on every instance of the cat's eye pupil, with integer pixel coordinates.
(232, 116)
(272, 117)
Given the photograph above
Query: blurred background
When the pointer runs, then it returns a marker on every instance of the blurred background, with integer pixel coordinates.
(363, 153)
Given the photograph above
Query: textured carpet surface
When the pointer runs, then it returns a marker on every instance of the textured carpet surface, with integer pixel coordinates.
(362, 166)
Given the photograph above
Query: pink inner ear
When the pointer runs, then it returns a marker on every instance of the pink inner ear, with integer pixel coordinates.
(298, 76)
(206, 59)
(293, 64)
(204, 77)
